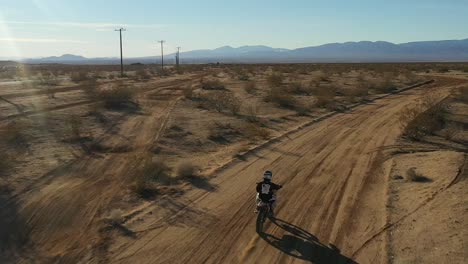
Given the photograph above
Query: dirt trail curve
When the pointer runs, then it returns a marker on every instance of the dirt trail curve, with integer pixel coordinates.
(60, 209)
(333, 194)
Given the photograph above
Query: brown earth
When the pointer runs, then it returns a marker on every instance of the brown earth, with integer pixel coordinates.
(332, 208)
(333, 194)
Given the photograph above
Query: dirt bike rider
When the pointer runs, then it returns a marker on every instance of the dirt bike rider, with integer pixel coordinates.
(266, 191)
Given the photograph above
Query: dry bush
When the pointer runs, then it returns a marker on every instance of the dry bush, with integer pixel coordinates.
(116, 96)
(299, 88)
(186, 169)
(275, 80)
(13, 134)
(358, 91)
(74, 127)
(385, 86)
(462, 94)
(222, 101)
(324, 101)
(5, 163)
(251, 112)
(50, 93)
(254, 132)
(212, 84)
(79, 76)
(142, 74)
(414, 176)
(188, 92)
(149, 172)
(250, 87)
(324, 76)
(115, 217)
(451, 131)
(48, 80)
(243, 76)
(223, 133)
(418, 122)
(280, 97)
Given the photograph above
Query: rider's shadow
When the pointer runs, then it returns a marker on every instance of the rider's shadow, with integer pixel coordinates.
(301, 244)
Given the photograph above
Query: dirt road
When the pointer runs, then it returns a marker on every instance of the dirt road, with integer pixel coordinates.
(333, 199)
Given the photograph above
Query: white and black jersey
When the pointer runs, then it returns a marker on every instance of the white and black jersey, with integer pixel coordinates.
(265, 190)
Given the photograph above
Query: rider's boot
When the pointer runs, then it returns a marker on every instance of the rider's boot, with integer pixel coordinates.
(272, 213)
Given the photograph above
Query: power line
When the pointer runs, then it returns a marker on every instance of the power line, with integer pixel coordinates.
(121, 52)
(162, 54)
(178, 57)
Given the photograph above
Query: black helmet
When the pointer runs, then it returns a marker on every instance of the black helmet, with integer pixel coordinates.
(267, 175)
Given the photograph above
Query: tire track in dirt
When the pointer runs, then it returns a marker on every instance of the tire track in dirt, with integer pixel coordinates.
(330, 187)
(66, 202)
(143, 93)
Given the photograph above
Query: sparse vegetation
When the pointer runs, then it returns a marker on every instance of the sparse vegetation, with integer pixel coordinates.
(250, 87)
(212, 84)
(149, 172)
(281, 98)
(186, 169)
(221, 101)
(78, 76)
(275, 80)
(5, 163)
(116, 96)
(424, 119)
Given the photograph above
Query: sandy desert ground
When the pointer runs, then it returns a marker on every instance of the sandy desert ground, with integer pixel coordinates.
(167, 174)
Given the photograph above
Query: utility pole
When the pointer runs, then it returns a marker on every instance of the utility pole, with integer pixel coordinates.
(162, 54)
(121, 53)
(178, 57)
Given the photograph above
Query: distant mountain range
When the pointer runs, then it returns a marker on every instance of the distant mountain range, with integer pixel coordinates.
(363, 51)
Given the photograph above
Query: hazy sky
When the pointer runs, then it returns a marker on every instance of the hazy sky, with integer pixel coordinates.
(37, 28)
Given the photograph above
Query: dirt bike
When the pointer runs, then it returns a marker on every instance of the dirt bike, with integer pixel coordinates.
(264, 212)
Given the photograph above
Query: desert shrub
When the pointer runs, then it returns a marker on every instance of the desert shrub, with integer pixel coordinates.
(78, 76)
(5, 163)
(48, 79)
(302, 109)
(250, 87)
(212, 84)
(222, 133)
(74, 129)
(251, 112)
(222, 101)
(254, 132)
(116, 96)
(358, 91)
(299, 88)
(275, 80)
(243, 76)
(324, 76)
(149, 172)
(418, 122)
(324, 101)
(385, 86)
(115, 217)
(278, 96)
(13, 134)
(443, 69)
(451, 131)
(414, 176)
(188, 92)
(186, 169)
(142, 74)
(50, 93)
(462, 94)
